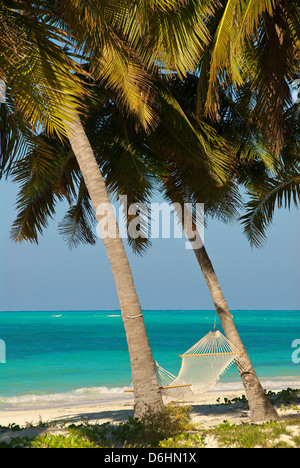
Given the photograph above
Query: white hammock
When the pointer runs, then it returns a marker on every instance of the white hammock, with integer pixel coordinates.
(201, 367)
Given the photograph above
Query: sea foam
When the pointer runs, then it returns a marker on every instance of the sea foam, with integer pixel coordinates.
(80, 396)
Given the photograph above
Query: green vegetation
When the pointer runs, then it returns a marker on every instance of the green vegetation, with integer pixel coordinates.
(287, 396)
(170, 423)
(267, 435)
(172, 428)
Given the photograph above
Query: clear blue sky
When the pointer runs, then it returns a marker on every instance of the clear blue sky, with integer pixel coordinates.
(51, 277)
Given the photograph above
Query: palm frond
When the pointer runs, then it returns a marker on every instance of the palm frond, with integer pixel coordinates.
(183, 137)
(47, 174)
(78, 225)
(125, 161)
(15, 138)
(174, 41)
(112, 61)
(39, 75)
(220, 53)
(36, 200)
(260, 209)
(257, 44)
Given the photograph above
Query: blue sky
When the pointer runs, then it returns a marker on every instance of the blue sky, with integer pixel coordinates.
(51, 277)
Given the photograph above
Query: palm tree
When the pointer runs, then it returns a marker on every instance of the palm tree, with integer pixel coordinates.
(147, 392)
(269, 179)
(146, 389)
(107, 39)
(253, 54)
(184, 182)
(104, 35)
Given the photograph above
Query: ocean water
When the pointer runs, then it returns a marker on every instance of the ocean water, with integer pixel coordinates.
(82, 357)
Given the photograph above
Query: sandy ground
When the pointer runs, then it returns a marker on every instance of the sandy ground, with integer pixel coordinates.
(206, 412)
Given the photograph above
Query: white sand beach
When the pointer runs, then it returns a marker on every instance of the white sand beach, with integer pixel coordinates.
(208, 410)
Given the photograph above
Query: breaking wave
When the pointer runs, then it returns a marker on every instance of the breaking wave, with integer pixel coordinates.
(81, 396)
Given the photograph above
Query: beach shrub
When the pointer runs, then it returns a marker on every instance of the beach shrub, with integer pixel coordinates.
(266, 435)
(135, 433)
(61, 441)
(227, 401)
(185, 440)
(171, 428)
(241, 436)
(10, 427)
(152, 428)
(286, 396)
(171, 422)
(296, 440)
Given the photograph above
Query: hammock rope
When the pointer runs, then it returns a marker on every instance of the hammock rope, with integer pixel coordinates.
(201, 366)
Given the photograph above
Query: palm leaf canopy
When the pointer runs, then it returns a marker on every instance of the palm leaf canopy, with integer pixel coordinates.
(256, 43)
(40, 77)
(166, 140)
(46, 46)
(124, 41)
(187, 162)
(280, 189)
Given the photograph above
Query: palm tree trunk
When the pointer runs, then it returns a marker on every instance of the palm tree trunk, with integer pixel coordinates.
(261, 409)
(146, 388)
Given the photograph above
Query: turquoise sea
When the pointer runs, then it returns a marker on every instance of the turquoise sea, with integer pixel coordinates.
(81, 356)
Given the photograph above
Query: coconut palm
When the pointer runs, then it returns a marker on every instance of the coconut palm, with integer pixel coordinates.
(183, 183)
(104, 35)
(147, 393)
(252, 58)
(107, 39)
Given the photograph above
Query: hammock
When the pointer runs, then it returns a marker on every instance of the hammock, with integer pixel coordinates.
(201, 367)
(203, 364)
